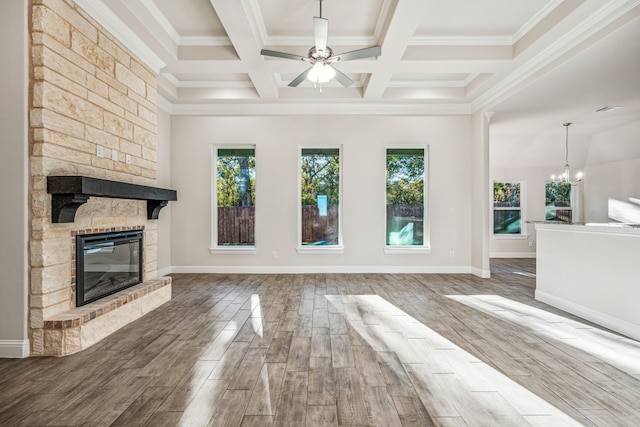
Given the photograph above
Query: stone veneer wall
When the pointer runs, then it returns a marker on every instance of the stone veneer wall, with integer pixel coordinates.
(86, 90)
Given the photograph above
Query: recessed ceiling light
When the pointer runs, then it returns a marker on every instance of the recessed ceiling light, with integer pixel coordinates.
(607, 108)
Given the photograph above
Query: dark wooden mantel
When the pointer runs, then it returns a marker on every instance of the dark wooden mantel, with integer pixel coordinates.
(71, 192)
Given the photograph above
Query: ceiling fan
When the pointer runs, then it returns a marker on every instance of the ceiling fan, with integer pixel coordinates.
(321, 57)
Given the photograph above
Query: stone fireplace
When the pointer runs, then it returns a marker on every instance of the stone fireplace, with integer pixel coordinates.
(93, 114)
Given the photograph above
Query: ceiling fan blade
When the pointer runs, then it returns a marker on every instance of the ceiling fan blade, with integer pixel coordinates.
(367, 52)
(295, 82)
(342, 78)
(321, 33)
(267, 52)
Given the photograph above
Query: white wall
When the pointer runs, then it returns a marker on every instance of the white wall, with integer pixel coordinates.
(14, 179)
(364, 140)
(612, 171)
(164, 181)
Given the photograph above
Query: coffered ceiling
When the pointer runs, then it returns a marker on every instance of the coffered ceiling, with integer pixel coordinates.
(438, 57)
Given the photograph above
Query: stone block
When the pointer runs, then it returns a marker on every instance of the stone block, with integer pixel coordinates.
(60, 152)
(53, 342)
(102, 162)
(97, 87)
(51, 299)
(149, 174)
(118, 126)
(72, 340)
(70, 105)
(92, 52)
(50, 278)
(139, 100)
(129, 169)
(41, 117)
(100, 137)
(155, 299)
(57, 138)
(45, 167)
(148, 115)
(149, 154)
(114, 49)
(74, 17)
(36, 318)
(105, 104)
(95, 207)
(50, 251)
(103, 326)
(37, 342)
(111, 82)
(143, 72)
(62, 59)
(123, 100)
(152, 95)
(130, 148)
(144, 137)
(134, 118)
(122, 207)
(129, 79)
(40, 204)
(45, 20)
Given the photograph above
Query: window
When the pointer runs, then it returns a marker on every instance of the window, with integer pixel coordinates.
(557, 202)
(405, 197)
(234, 195)
(507, 208)
(320, 194)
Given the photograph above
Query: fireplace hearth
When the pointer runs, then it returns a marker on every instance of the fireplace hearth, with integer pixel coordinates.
(107, 263)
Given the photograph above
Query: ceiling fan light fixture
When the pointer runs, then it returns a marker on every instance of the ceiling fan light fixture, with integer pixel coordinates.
(321, 73)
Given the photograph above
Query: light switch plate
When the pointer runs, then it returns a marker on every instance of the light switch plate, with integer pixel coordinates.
(128, 159)
(114, 155)
(100, 151)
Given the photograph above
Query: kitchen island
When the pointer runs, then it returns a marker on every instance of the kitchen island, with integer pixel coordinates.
(592, 271)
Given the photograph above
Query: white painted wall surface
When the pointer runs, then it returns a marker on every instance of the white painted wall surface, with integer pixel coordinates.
(14, 178)
(613, 171)
(364, 140)
(592, 272)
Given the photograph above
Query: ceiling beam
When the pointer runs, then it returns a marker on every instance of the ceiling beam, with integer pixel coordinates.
(239, 25)
(406, 18)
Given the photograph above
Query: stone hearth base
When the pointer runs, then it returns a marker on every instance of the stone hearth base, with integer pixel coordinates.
(74, 330)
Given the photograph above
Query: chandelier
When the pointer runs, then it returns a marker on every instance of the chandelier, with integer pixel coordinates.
(565, 177)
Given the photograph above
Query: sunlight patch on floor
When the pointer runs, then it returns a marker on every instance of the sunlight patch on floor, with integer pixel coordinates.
(621, 352)
(450, 381)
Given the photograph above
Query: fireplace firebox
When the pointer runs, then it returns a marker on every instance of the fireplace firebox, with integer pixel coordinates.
(107, 263)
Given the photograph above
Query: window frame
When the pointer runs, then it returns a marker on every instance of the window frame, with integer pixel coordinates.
(328, 249)
(425, 248)
(523, 211)
(571, 207)
(214, 247)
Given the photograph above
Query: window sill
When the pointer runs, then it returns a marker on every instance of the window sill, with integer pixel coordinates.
(239, 250)
(407, 250)
(320, 250)
(512, 237)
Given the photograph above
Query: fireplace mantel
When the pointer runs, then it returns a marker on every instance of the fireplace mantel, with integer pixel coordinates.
(71, 192)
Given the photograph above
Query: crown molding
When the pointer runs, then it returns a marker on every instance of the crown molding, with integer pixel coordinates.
(302, 109)
(204, 41)
(162, 20)
(105, 17)
(461, 41)
(536, 19)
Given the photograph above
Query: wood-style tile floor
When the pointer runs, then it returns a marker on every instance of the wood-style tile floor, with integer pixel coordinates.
(339, 350)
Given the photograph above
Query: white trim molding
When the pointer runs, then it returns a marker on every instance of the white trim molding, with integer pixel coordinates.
(619, 325)
(512, 255)
(15, 349)
(327, 269)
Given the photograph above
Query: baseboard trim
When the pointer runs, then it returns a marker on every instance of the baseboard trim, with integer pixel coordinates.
(15, 349)
(164, 271)
(623, 327)
(380, 269)
(483, 274)
(512, 255)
